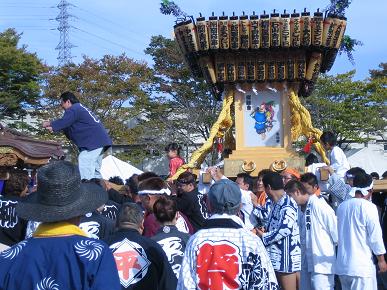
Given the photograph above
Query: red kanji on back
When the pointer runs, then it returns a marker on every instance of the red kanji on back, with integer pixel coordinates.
(217, 266)
(126, 261)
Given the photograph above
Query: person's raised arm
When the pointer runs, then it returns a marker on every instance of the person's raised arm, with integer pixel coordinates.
(337, 186)
(66, 121)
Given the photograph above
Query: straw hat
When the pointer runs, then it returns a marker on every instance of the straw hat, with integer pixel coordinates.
(60, 195)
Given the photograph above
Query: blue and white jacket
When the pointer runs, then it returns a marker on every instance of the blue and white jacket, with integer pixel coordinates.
(58, 263)
(282, 238)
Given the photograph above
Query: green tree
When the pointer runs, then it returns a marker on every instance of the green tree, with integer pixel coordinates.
(351, 109)
(186, 108)
(376, 86)
(379, 73)
(19, 75)
(114, 88)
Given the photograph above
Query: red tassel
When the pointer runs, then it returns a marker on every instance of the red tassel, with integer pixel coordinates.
(308, 146)
(219, 145)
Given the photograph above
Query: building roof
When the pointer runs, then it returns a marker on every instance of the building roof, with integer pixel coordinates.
(27, 149)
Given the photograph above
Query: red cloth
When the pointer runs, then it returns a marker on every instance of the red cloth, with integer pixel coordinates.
(174, 164)
(308, 146)
(151, 225)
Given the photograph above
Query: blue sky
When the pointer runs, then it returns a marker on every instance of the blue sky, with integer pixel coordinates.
(116, 26)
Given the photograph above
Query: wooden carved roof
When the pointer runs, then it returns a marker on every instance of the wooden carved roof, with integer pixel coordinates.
(18, 149)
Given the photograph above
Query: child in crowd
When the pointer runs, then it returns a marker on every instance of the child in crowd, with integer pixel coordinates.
(175, 161)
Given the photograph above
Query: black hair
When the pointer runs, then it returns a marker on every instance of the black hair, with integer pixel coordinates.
(384, 175)
(187, 178)
(375, 175)
(116, 180)
(153, 183)
(173, 147)
(146, 175)
(263, 172)
(16, 183)
(164, 209)
(130, 213)
(247, 179)
(329, 138)
(355, 171)
(309, 178)
(226, 152)
(274, 179)
(69, 96)
(294, 185)
(310, 159)
(362, 180)
(132, 183)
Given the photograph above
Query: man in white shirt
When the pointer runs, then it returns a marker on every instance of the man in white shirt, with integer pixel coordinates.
(318, 229)
(340, 190)
(360, 235)
(245, 182)
(337, 158)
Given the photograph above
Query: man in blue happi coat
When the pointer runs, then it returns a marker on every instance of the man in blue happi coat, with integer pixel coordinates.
(59, 255)
(82, 127)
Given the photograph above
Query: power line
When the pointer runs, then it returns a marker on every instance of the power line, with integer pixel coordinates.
(109, 41)
(25, 16)
(12, 2)
(113, 32)
(24, 6)
(36, 26)
(116, 25)
(41, 29)
(99, 16)
(94, 42)
(64, 46)
(18, 4)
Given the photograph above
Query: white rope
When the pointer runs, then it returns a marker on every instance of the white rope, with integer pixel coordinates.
(161, 191)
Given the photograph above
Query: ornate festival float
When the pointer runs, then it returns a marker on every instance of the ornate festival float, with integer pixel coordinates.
(260, 65)
(19, 151)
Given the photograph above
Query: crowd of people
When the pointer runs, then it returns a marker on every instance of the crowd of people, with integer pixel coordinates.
(276, 230)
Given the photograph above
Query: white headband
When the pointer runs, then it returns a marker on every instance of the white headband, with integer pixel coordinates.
(161, 191)
(363, 190)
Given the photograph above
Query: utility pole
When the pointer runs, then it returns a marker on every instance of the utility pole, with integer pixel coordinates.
(64, 46)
